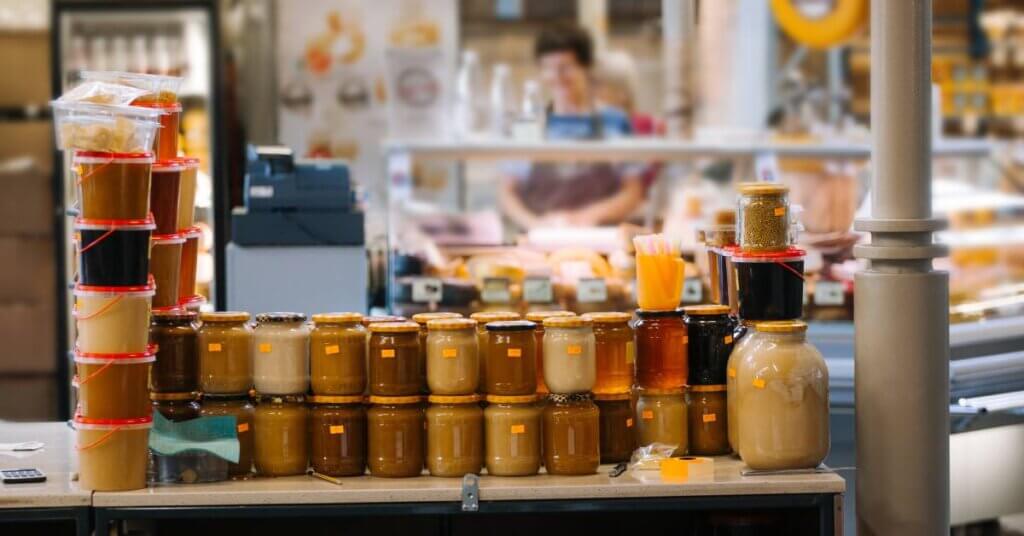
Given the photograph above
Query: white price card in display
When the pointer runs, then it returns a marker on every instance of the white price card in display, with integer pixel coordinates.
(591, 290)
(829, 293)
(538, 290)
(496, 290)
(693, 291)
(426, 290)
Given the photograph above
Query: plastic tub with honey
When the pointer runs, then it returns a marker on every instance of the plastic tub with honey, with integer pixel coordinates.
(396, 436)
(241, 408)
(189, 259)
(225, 353)
(512, 425)
(538, 317)
(571, 435)
(453, 365)
(112, 320)
(337, 354)
(176, 369)
(394, 359)
(113, 186)
(511, 361)
(166, 144)
(337, 435)
(281, 436)
(113, 386)
(187, 191)
(158, 88)
(113, 252)
(165, 194)
(455, 435)
(166, 267)
(112, 453)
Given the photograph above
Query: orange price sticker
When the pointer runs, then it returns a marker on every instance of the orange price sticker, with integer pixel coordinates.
(337, 429)
(244, 427)
(780, 211)
(387, 353)
(574, 349)
(449, 353)
(265, 348)
(728, 339)
(332, 349)
(518, 428)
(709, 417)
(515, 352)
(759, 383)
(731, 372)
(686, 339)
(214, 347)
(629, 422)
(647, 415)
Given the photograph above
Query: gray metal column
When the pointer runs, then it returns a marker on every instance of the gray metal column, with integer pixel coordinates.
(901, 304)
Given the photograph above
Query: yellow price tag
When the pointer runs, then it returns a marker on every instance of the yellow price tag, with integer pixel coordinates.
(630, 352)
(515, 352)
(518, 428)
(647, 414)
(449, 353)
(780, 211)
(387, 353)
(265, 348)
(728, 339)
(731, 372)
(214, 347)
(759, 383)
(629, 422)
(574, 349)
(337, 429)
(332, 349)
(244, 427)
(709, 417)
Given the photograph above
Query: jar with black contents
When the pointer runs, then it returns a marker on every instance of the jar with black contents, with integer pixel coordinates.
(618, 430)
(712, 333)
(770, 285)
(241, 408)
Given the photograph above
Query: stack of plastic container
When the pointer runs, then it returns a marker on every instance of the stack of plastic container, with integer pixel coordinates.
(111, 138)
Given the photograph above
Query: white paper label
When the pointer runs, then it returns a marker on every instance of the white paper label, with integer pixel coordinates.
(591, 290)
(261, 192)
(538, 290)
(829, 293)
(495, 290)
(426, 290)
(693, 291)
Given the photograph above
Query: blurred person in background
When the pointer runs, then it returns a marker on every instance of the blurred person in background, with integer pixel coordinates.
(578, 194)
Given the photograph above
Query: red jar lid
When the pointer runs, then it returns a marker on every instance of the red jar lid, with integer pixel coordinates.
(102, 157)
(790, 253)
(146, 224)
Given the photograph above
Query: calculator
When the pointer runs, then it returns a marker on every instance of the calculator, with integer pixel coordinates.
(21, 476)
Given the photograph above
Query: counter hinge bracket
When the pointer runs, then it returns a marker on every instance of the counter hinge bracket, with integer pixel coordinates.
(470, 493)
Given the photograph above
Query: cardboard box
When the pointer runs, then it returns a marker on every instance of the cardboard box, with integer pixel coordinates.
(26, 201)
(28, 272)
(25, 63)
(28, 398)
(29, 335)
(31, 138)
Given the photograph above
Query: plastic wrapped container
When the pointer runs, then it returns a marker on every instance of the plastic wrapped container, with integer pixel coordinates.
(482, 318)
(112, 453)
(225, 353)
(112, 319)
(513, 430)
(165, 195)
(104, 128)
(338, 435)
(157, 87)
(712, 334)
(281, 436)
(166, 145)
(455, 435)
(337, 354)
(175, 335)
(770, 285)
(661, 350)
(281, 354)
(538, 317)
(166, 268)
(114, 252)
(241, 408)
(661, 418)
(453, 363)
(708, 427)
(570, 365)
(618, 430)
(762, 222)
(571, 434)
(190, 467)
(114, 186)
(615, 352)
(396, 437)
(176, 407)
(113, 386)
(780, 395)
(187, 273)
(395, 359)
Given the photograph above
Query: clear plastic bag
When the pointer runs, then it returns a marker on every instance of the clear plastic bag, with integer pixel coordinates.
(97, 92)
(158, 88)
(107, 128)
(649, 457)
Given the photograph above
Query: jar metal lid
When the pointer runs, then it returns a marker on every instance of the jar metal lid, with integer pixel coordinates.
(706, 310)
(171, 315)
(761, 188)
(612, 396)
(453, 399)
(511, 399)
(224, 316)
(324, 399)
(707, 388)
(613, 317)
(495, 316)
(659, 392)
(173, 397)
(568, 322)
(572, 397)
(337, 318)
(392, 400)
(540, 316)
(367, 320)
(451, 324)
(644, 313)
(265, 318)
(423, 318)
(279, 399)
(781, 326)
(512, 325)
(394, 327)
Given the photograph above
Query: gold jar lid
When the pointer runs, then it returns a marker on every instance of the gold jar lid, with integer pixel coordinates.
(173, 397)
(484, 317)
(453, 399)
(326, 399)
(706, 310)
(781, 326)
(337, 318)
(660, 392)
(567, 322)
(395, 400)
(224, 316)
(540, 316)
(606, 397)
(511, 399)
(367, 320)
(707, 388)
(451, 324)
(424, 318)
(612, 317)
(394, 327)
(761, 188)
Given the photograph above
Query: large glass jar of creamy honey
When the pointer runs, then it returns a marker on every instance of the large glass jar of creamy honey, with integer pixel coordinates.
(394, 359)
(422, 319)
(239, 407)
(781, 398)
(225, 353)
(482, 319)
(661, 418)
(512, 425)
(337, 435)
(571, 435)
(337, 354)
(615, 352)
(453, 363)
(396, 438)
(281, 358)
(511, 363)
(570, 364)
(661, 350)
(455, 435)
(618, 426)
(538, 317)
(281, 435)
